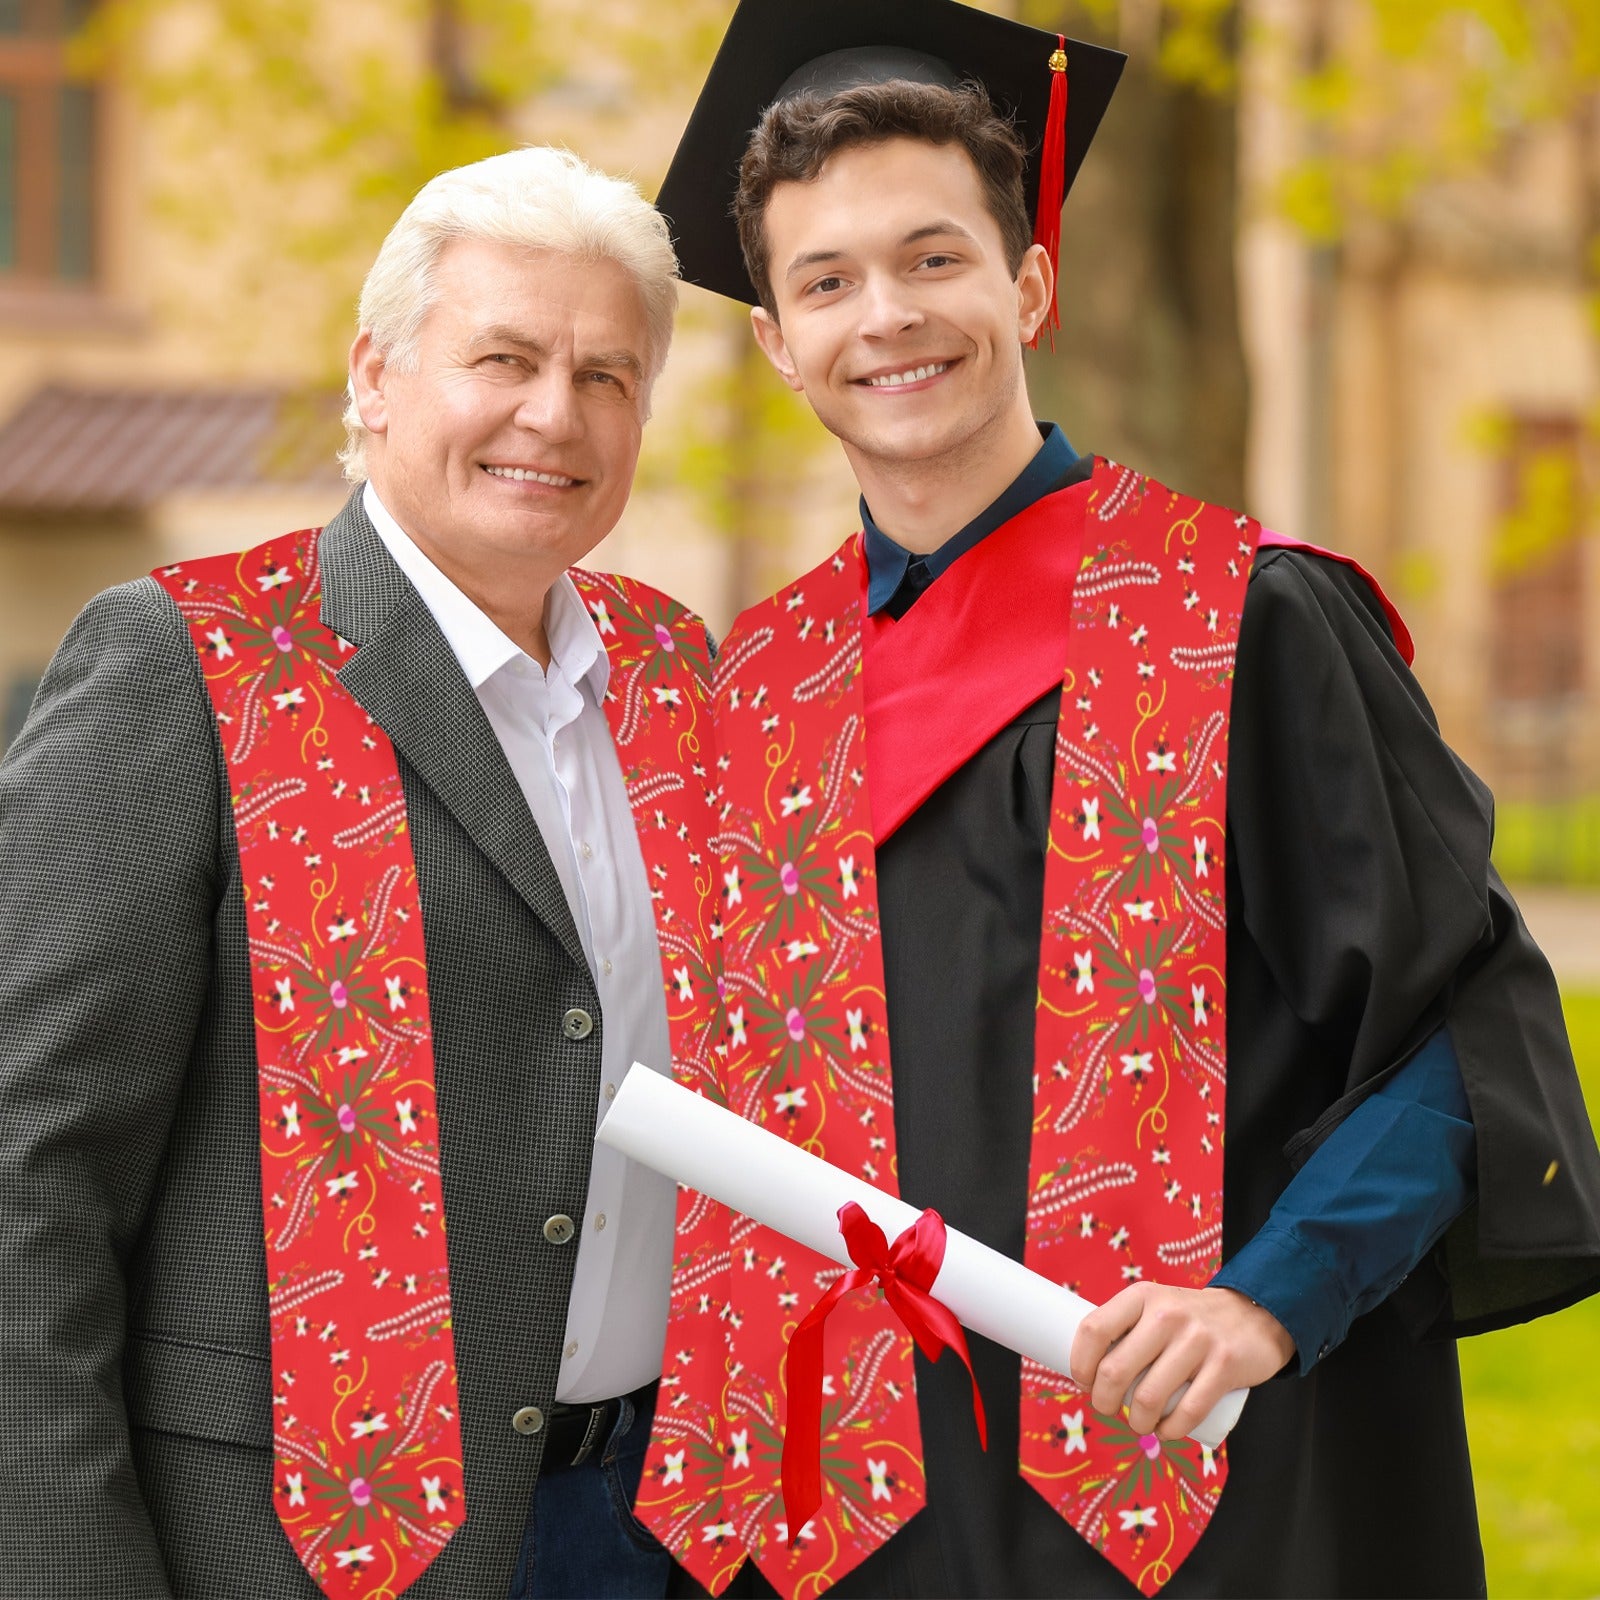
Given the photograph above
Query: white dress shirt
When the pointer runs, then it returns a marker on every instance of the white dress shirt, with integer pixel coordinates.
(555, 736)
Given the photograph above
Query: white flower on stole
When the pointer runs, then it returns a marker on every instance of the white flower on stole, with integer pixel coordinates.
(1072, 1421)
(673, 1470)
(858, 1031)
(1139, 1517)
(1136, 1066)
(878, 1472)
(430, 1490)
(1084, 961)
(847, 876)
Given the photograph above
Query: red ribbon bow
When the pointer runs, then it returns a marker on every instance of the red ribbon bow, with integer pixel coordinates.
(906, 1269)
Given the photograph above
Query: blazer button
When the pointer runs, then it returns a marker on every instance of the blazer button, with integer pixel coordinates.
(530, 1419)
(577, 1024)
(559, 1229)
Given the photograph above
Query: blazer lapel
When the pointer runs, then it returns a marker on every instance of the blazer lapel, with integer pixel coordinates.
(407, 678)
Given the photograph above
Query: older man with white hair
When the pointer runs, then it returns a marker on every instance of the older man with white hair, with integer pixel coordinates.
(340, 880)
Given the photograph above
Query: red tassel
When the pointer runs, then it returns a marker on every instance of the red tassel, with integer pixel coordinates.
(1052, 182)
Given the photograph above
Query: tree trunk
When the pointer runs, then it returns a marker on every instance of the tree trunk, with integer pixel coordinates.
(1148, 367)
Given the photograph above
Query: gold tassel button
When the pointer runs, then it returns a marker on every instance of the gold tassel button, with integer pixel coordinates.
(1058, 62)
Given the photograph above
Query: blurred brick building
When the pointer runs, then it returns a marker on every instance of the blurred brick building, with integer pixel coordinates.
(1426, 396)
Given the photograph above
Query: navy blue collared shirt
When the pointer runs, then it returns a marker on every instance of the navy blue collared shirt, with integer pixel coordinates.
(895, 577)
(1379, 1192)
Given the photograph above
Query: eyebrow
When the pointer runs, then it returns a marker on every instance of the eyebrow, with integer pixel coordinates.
(504, 333)
(941, 228)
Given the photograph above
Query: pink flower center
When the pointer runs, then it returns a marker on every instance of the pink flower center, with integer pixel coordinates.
(1147, 985)
(282, 637)
(1149, 834)
(361, 1491)
(797, 1024)
(789, 877)
(1150, 1445)
(664, 638)
(338, 994)
(347, 1119)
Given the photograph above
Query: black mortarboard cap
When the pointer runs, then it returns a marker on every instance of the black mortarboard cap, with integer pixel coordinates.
(777, 48)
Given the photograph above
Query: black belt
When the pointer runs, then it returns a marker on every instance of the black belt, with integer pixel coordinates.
(574, 1433)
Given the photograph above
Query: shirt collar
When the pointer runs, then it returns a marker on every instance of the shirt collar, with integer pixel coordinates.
(476, 640)
(888, 562)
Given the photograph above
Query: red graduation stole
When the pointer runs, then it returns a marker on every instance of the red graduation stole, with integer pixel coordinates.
(1131, 597)
(367, 1436)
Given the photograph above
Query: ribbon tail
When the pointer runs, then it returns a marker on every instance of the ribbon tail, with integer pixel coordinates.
(935, 1328)
(801, 1470)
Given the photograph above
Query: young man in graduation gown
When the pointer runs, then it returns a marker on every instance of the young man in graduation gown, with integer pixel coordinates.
(337, 880)
(1094, 874)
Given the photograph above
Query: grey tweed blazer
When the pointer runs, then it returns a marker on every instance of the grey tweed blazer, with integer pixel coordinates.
(135, 1400)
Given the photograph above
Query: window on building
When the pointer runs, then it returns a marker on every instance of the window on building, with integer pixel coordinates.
(1539, 591)
(48, 136)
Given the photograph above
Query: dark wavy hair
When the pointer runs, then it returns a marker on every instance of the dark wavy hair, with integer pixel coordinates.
(796, 138)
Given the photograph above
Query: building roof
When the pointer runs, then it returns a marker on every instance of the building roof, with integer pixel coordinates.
(69, 450)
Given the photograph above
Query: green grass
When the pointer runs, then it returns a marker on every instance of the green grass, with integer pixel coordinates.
(1533, 1415)
(1548, 842)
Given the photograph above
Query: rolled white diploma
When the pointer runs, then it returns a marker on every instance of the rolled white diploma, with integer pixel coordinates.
(674, 1131)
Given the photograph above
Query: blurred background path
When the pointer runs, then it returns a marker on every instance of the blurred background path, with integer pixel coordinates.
(1566, 922)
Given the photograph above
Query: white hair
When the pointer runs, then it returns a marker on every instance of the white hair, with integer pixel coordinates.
(537, 197)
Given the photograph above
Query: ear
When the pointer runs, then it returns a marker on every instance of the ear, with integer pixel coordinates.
(1036, 282)
(774, 347)
(367, 373)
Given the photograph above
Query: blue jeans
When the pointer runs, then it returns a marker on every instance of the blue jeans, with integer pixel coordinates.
(583, 1541)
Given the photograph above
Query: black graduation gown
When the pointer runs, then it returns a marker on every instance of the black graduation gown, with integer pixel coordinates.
(1362, 912)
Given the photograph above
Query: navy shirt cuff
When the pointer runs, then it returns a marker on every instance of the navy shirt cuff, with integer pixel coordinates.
(1283, 1275)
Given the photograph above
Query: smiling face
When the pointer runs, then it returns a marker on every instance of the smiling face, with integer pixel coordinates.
(898, 315)
(510, 446)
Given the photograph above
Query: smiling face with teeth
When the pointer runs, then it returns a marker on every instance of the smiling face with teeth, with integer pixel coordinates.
(507, 449)
(901, 322)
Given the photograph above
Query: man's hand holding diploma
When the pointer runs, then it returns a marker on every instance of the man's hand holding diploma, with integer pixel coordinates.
(1212, 1339)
